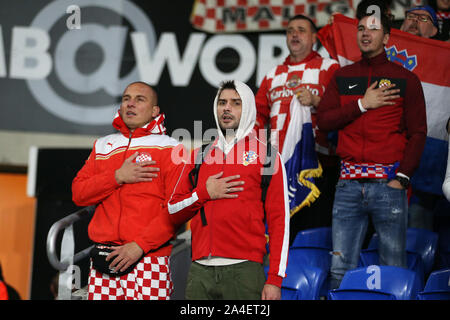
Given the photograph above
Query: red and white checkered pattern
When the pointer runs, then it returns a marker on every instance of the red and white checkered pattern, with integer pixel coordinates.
(143, 156)
(149, 280)
(365, 170)
(254, 15)
(278, 88)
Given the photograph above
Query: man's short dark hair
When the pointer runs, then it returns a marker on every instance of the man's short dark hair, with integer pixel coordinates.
(152, 89)
(302, 17)
(227, 84)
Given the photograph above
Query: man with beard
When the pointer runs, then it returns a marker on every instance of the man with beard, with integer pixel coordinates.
(228, 236)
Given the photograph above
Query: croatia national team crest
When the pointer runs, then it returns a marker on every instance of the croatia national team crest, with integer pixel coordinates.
(143, 156)
(248, 157)
(384, 83)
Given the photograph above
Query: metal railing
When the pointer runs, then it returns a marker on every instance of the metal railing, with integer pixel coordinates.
(65, 264)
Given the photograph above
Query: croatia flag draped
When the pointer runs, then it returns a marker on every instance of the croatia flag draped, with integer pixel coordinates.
(300, 159)
(429, 60)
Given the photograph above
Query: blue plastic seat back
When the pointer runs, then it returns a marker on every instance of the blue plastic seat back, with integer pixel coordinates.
(315, 257)
(438, 280)
(306, 274)
(402, 283)
(437, 286)
(355, 294)
(305, 281)
(313, 238)
(420, 241)
(414, 262)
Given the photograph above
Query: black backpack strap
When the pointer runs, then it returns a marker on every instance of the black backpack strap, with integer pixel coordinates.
(193, 175)
(266, 177)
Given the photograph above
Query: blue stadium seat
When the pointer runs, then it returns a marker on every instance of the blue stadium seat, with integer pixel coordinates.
(313, 238)
(314, 257)
(420, 241)
(414, 262)
(437, 286)
(306, 274)
(303, 282)
(377, 283)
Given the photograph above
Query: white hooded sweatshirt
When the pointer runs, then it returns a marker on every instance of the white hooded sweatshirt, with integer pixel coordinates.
(248, 117)
(235, 228)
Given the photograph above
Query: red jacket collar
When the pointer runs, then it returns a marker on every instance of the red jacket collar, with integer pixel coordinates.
(377, 60)
(156, 126)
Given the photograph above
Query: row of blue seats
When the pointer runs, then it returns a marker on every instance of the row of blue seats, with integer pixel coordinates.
(423, 247)
(391, 283)
(307, 279)
(310, 260)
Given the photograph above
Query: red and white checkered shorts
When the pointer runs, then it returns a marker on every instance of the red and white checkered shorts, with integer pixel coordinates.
(149, 280)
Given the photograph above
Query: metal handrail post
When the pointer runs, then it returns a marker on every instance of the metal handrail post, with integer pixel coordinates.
(66, 264)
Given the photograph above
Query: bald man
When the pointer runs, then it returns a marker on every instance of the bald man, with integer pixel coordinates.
(128, 176)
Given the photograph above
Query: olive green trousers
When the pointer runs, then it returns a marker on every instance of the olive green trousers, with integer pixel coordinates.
(241, 281)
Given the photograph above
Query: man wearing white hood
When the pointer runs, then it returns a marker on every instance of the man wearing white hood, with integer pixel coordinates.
(228, 236)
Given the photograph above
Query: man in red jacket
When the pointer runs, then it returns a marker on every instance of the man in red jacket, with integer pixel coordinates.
(379, 109)
(131, 193)
(228, 237)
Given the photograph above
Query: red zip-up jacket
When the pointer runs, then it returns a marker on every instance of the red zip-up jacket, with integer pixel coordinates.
(385, 135)
(129, 212)
(235, 227)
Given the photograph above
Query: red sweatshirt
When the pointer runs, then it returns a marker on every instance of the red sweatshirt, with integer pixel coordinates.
(235, 227)
(385, 135)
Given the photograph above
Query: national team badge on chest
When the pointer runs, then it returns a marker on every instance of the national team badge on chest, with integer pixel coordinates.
(143, 156)
(384, 83)
(248, 157)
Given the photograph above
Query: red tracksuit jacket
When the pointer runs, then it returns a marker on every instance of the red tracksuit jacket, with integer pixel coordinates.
(129, 212)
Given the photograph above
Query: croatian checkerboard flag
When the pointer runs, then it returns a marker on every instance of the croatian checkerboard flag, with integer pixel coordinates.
(300, 159)
(429, 60)
(219, 16)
